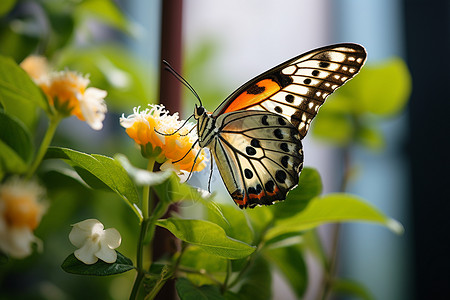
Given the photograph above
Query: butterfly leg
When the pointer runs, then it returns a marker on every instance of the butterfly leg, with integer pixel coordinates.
(210, 172)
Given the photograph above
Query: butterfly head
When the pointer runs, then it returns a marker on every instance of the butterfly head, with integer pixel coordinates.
(199, 111)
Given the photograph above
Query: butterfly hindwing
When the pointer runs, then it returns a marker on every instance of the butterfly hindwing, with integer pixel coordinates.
(297, 88)
(259, 156)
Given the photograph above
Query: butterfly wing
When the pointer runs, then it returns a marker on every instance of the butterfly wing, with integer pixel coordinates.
(259, 156)
(297, 88)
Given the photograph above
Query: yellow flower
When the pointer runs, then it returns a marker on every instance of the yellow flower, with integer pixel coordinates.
(144, 126)
(21, 210)
(67, 92)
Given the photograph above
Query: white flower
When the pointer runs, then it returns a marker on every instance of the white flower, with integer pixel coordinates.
(94, 242)
(67, 91)
(93, 107)
(21, 210)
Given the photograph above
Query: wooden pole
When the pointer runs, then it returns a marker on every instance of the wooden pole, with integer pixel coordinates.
(171, 44)
(170, 96)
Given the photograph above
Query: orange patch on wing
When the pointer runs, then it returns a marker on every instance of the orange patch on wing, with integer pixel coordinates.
(263, 193)
(254, 95)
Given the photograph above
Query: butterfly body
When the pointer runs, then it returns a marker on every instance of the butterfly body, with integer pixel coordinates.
(255, 134)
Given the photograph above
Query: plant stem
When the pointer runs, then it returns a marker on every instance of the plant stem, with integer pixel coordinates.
(137, 284)
(54, 122)
(147, 201)
(330, 269)
(227, 277)
(146, 206)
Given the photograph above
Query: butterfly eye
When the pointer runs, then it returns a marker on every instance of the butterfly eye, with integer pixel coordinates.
(199, 110)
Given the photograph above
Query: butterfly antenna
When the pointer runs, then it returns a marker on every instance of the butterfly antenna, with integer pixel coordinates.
(169, 68)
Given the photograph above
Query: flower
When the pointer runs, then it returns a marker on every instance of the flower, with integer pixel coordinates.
(174, 150)
(93, 242)
(67, 92)
(37, 67)
(21, 210)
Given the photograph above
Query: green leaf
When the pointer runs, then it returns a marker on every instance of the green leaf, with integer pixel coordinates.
(140, 176)
(103, 168)
(333, 127)
(208, 236)
(381, 89)
(393, 82)
(15, 145)
(18, 93)
(172, 190)
(351, 288)
(309, 186)
(332, 208)
(105, 11)
(72, 265)
(260, 219)
(194, 258)
(188, 291)
(289, 260)
(233, 221)
(257, 281)
(6, 6)
(370, 137)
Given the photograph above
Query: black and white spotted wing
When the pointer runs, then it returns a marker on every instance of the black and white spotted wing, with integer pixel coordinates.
(259, 155)
(297, 88)
(255, 134)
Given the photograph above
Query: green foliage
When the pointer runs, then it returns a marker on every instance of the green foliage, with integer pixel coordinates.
(257, 273)
(19, 96)
(15, 145)
(350, 115)
(72, 265)
(188, 291)
(6, 6)
(310, 186)
(208, 236)
(351, 288)
(103, 169)
(332, 208)
(289, 260)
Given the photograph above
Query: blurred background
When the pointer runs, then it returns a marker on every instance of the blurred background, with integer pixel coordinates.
(224, 44)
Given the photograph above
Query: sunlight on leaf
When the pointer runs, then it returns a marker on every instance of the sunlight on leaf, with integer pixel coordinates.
(208, 236)
(103, 168)
(333, 208)
(19, 96)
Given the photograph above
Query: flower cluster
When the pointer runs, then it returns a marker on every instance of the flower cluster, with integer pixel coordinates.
(174, 148)
(21, 209)
(67, 92)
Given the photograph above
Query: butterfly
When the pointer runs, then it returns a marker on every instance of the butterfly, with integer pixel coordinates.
(255, 134)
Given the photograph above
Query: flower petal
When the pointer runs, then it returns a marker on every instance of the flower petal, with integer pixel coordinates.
(86, 254)
(93, 107)
(81, 231)
(112, 238)
(106, 254)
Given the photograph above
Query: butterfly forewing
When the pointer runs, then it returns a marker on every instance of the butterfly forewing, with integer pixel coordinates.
(255, 134)
(297, 88)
